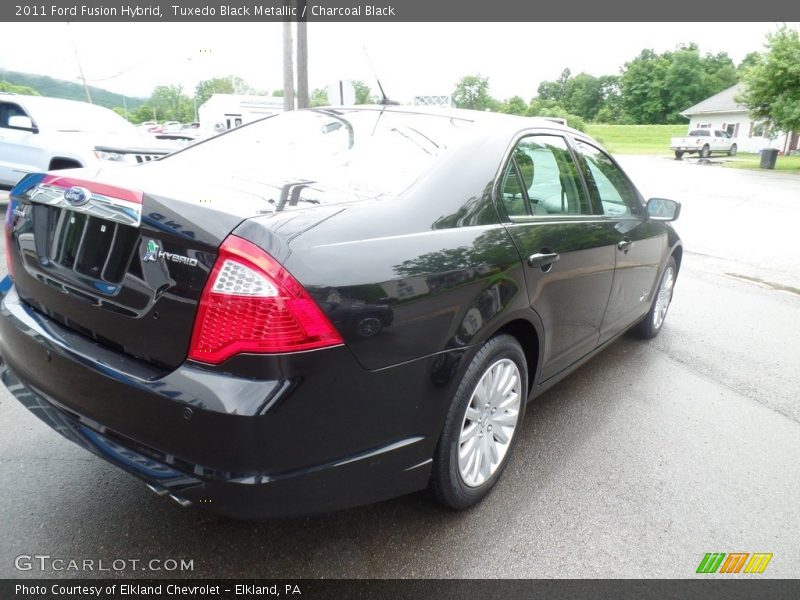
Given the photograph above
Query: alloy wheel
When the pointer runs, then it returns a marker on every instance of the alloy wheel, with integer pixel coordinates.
(490, 422)
(664, 297)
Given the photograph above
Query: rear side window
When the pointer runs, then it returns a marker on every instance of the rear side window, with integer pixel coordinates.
(607, 183)
(542, 179)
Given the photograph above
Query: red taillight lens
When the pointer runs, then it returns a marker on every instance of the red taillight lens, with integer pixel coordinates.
(9, 225)
(252, 304)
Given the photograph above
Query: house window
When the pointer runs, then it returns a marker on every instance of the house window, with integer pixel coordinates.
(758, 130)
(732, 129)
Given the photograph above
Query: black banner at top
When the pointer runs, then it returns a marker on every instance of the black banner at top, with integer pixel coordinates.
(375, 11)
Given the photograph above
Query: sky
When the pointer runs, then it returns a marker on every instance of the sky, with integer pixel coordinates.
(409, 58)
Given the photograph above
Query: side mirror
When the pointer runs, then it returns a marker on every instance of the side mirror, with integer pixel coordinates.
(661, 209)
(21, 122)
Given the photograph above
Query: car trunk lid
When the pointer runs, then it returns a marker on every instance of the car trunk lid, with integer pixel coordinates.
(122, 256)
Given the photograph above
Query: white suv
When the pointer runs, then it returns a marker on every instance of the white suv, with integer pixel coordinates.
(43, 134)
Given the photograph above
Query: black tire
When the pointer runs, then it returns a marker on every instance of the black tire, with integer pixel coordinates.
(649, 327)
(678, 154)
(732, 151)
(705, 151)
(447, 483)
(369, 325)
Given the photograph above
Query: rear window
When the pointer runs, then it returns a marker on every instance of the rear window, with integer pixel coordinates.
(700, 133)
(370, 151)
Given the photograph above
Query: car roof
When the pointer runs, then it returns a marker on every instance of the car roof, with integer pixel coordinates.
(497, 122)
(44, 101)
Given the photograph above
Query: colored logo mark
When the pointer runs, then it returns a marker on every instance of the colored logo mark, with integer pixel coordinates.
(77, 196)
(733, 562)
(152, 249)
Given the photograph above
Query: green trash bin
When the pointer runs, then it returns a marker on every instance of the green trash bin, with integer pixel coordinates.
(768, 158)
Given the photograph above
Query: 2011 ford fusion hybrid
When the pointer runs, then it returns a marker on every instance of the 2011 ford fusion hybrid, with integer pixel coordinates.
(328, 307)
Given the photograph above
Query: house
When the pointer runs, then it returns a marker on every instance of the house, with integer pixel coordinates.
(722, 111)
(224, 111)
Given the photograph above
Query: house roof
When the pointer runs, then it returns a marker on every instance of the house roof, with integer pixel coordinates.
(723, 102)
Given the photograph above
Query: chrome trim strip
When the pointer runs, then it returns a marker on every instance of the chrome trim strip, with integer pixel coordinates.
(100, 206)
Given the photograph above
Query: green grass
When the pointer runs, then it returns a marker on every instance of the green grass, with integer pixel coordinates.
(784, 164)
(635, 139)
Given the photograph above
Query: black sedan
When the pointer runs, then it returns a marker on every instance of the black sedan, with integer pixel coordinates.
(327, 307)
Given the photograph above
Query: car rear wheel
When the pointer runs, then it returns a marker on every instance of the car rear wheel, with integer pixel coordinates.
(652, 323)
(481, 425)
(678, 154)
(705, 151)
(732, 151)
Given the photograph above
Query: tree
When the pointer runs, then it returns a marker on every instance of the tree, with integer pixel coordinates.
(171, 104)
(772, 91)
(363, 93)
(7, 86)
(643, 88)
(554, 90)
(141, 114)
(684, 83)
(319, 97)
(751, 60)
(549, 90)
(720, 72)
(514, 106)
(549, 108)
(611, 110)
(221, 85)
(583, 96)
(473, 92)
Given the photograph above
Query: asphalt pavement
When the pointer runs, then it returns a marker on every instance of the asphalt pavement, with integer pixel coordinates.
(648, 457)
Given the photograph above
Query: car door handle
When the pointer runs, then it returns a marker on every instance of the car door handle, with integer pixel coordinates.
(625, 245)
(542, 259)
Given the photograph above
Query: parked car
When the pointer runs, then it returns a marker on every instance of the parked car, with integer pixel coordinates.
(46, 134)
(197, 320)
(703, 142)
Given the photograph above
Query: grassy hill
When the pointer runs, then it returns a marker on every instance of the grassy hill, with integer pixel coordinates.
(58, 88)
(636, 139)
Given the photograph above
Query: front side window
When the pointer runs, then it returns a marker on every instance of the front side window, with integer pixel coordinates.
(542, 179)
(607, 183)
(8, 110)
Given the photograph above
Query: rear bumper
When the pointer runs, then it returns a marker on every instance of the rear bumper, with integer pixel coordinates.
(316, 432)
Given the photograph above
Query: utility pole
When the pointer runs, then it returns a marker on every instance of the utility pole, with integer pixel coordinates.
(80, 66)
(302, 58)
(288, 67)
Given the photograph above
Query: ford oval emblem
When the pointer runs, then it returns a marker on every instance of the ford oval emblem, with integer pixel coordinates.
(77, 196)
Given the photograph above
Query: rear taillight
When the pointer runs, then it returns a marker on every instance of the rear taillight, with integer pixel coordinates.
(252, 304)
(9, 226)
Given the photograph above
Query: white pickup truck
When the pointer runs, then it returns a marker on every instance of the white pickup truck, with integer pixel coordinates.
(40, 134)
(703, 142)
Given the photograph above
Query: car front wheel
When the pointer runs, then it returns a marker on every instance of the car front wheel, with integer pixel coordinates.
(481, 425)
(650, 326)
